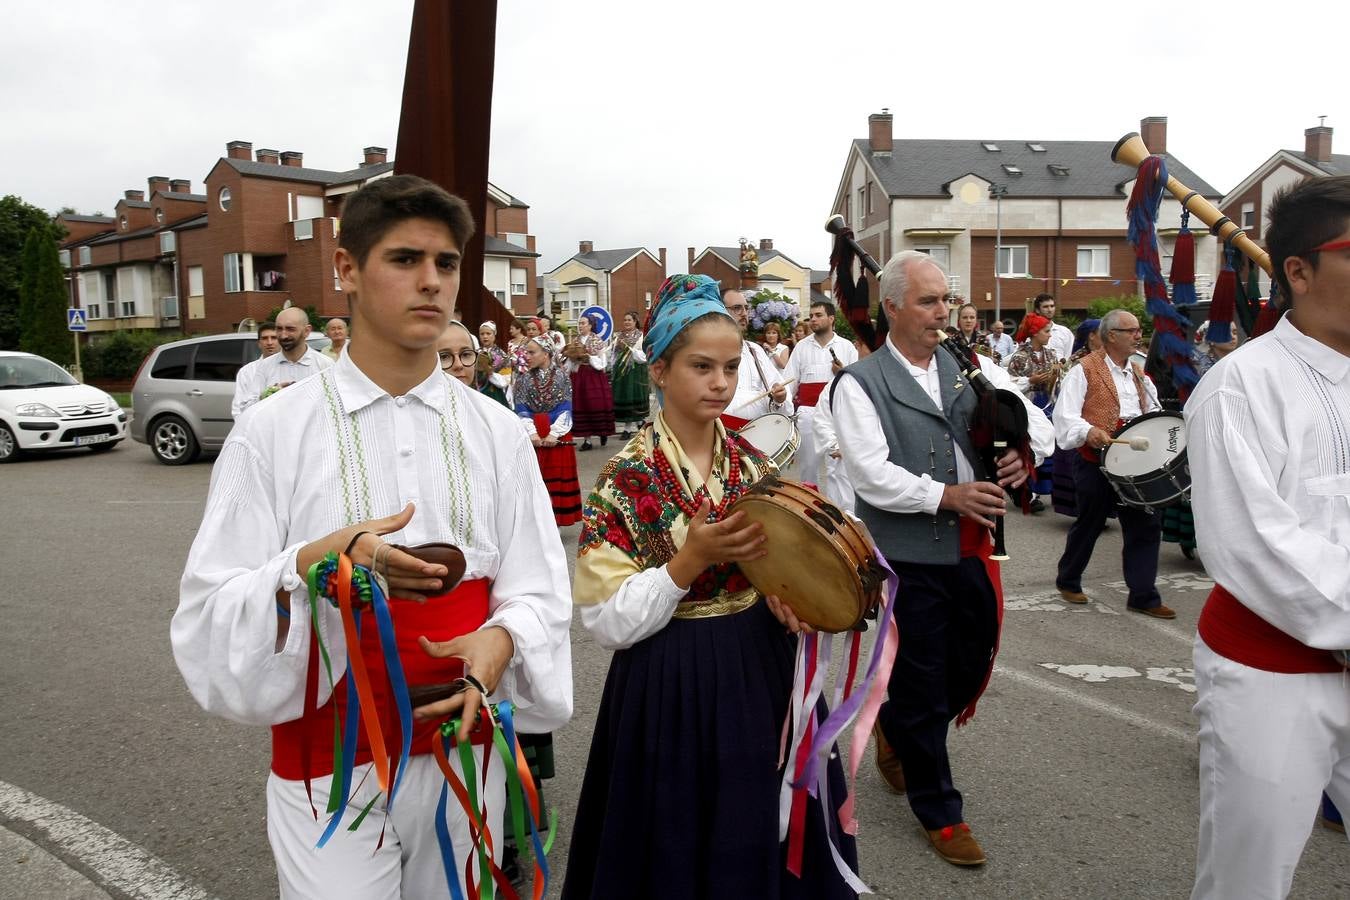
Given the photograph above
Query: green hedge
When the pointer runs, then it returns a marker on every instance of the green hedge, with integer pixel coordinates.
(120, 354)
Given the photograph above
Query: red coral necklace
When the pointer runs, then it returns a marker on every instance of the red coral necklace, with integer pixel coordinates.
(670, 485)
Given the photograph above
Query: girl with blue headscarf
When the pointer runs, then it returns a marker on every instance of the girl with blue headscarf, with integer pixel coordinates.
(680, 798)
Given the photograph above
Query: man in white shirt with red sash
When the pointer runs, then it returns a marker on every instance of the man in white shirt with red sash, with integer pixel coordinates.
(814, 363)
(379, 450)
(756, 375)
(1268, 441)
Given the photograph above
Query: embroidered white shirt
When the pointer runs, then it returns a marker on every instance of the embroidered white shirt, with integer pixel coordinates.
(282, 481)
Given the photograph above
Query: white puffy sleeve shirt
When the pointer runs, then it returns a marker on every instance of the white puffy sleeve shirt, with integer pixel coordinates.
(281, 481)
(1268, 440)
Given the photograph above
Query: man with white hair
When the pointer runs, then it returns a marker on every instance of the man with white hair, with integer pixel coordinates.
(903, 417)
(336, 329)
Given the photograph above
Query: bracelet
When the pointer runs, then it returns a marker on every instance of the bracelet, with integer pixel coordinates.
(475, 683)
(348, 551)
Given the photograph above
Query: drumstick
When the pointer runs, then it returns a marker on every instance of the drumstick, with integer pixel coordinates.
(1138, 443)
(759, 397)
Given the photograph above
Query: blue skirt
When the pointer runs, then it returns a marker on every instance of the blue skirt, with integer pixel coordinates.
(680, 798)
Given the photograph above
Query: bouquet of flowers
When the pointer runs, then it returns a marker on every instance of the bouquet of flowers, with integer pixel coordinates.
(767, 306)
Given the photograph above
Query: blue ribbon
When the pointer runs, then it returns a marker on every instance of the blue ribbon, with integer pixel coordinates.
(398, 683)
(443, 832)
(348, 753)
(506, 716)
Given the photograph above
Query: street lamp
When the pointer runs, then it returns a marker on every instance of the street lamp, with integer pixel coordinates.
(997, 191)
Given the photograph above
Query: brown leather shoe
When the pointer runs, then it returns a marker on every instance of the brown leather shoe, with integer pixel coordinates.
(1157, 612)
(957, 845)
(888, 764)
(1073, 596)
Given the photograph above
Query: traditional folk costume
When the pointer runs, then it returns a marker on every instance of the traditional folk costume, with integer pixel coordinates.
(756, 374)
(543, 399)
(496, 382)
(326, 453)
(1267, 439)
(628, 380)
(905, 434)
(1098, 393)
(592, 398)
(264, 377)
(811, 364)
(1025, 362)
(681, 794)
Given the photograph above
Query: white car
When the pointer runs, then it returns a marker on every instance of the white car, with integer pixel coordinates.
(43, 408)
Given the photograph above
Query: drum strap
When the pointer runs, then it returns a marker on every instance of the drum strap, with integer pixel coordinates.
(754, 357)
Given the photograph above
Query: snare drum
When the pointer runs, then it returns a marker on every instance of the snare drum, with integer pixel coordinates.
(819, 561)
(776, 436)
(1155, 478)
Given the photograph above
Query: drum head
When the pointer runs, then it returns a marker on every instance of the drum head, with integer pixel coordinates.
(769, 432)
(813, 576)
(1166, 434)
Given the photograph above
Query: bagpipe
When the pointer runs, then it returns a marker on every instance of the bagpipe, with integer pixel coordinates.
(1000, 419)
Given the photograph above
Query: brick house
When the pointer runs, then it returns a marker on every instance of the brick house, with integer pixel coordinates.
(263, 232)
(619, 280)
(1062, 213)
(1246, 204)
(777, 271)
(509, 257)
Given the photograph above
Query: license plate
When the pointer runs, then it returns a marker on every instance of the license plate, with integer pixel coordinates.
(86, 439)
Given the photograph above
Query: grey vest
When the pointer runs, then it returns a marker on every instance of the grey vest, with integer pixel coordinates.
(922, 440)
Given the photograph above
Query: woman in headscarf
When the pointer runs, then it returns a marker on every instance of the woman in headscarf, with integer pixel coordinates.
(542, 394)
(592, 398)
(628, 377)
(680, 797)
(494, 366)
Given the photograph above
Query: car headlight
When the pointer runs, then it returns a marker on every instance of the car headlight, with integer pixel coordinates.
(39, 410)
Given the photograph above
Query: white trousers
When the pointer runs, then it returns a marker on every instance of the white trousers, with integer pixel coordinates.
(1269, 745)
(808, 453)
(349, 866)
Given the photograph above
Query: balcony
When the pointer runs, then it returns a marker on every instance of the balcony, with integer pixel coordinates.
(305, 229)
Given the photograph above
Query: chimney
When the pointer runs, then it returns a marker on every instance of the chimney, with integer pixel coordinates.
(1154, 132)
(585, 247)
(766, 243)
(691, 260)
(661, 252)
(292, 158)
(239, 149)
(135, 195)
(180, 186)
(1317, 143)
(880, 134)
(270, 157)
(374, 155)
(157, 183)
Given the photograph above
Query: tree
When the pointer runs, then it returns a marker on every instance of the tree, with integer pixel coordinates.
(44, 298)
(17, 218)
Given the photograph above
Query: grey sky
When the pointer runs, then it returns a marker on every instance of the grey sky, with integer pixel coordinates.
(630, 123)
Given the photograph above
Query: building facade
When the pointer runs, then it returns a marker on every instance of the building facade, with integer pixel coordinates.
(777, 271)
(621, 280)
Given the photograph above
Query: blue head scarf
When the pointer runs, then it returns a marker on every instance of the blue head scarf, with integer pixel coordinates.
(1080, 337)
(681, 300)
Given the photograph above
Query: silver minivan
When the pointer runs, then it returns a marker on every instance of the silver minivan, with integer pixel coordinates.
(181, 397)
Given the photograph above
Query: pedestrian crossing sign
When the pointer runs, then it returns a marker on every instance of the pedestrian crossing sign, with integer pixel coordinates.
(75, 320)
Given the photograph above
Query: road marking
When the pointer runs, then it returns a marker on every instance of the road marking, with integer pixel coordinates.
(1101, 706)
(1180, 581)
(1052, 603)
(1101, 674)
(115, 861)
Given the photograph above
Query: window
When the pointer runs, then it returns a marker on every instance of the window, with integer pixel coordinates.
(84, 256)
(520, 240)
(1248, 215)
(337, 282)
(224, 199)
(94, 310)
(649, 299)
(122, 222)
(65, 259)
(128, 309)
(169, 308)
(1011, 170)
(159, 214)
(304, 229)
(173, 362)
(1012, 260)
(518, 278)
(1094, 260)
(218, 360)
(991, 147)
(941, 253)
(501, 296)
(862, 201)
(234, 272)
(1036, 148)
(167, 242)
(1058, 171)
(195, 281)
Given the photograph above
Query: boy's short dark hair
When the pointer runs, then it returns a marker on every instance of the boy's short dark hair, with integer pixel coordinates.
(1303, 216)
(371, 212)
(1041, 298)
(266, 326)
(825, 305)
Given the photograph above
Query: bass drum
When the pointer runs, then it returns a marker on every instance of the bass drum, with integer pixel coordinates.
(775, 435)
(819, 561)
(1157, 477)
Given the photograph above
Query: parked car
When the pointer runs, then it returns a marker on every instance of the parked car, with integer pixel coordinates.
(181, 397)
(42, 407)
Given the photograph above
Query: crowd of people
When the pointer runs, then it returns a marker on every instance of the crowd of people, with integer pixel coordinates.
(416, 431)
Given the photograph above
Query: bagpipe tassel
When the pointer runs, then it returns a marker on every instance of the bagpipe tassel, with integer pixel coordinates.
(1270, 314)
(852, 293)
(1182, 275)
(1223, 303)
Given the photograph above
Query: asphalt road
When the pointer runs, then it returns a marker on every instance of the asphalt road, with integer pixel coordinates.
(1079, 771)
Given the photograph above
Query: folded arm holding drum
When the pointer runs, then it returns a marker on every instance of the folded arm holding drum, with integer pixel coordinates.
(709, 543)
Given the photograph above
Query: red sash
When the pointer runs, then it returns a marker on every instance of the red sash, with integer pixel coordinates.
(977, 541)
(440, 618)
(808, 394)
(735, 423)
(1235, 632)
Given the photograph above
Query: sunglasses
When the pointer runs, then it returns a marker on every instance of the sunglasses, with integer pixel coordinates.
(1329, 245)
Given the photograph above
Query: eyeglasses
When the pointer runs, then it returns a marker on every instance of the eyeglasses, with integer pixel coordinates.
(740, 307)
(1129, 330)
(465, 357)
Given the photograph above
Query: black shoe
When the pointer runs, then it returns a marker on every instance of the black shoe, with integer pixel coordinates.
(604, 440)
(585, 445)
(1037, 505)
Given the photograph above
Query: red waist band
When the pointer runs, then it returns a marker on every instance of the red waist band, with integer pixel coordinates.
(976, 540)
(735, 423)
(808, 394)
(440, 618)
(1235, 632)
